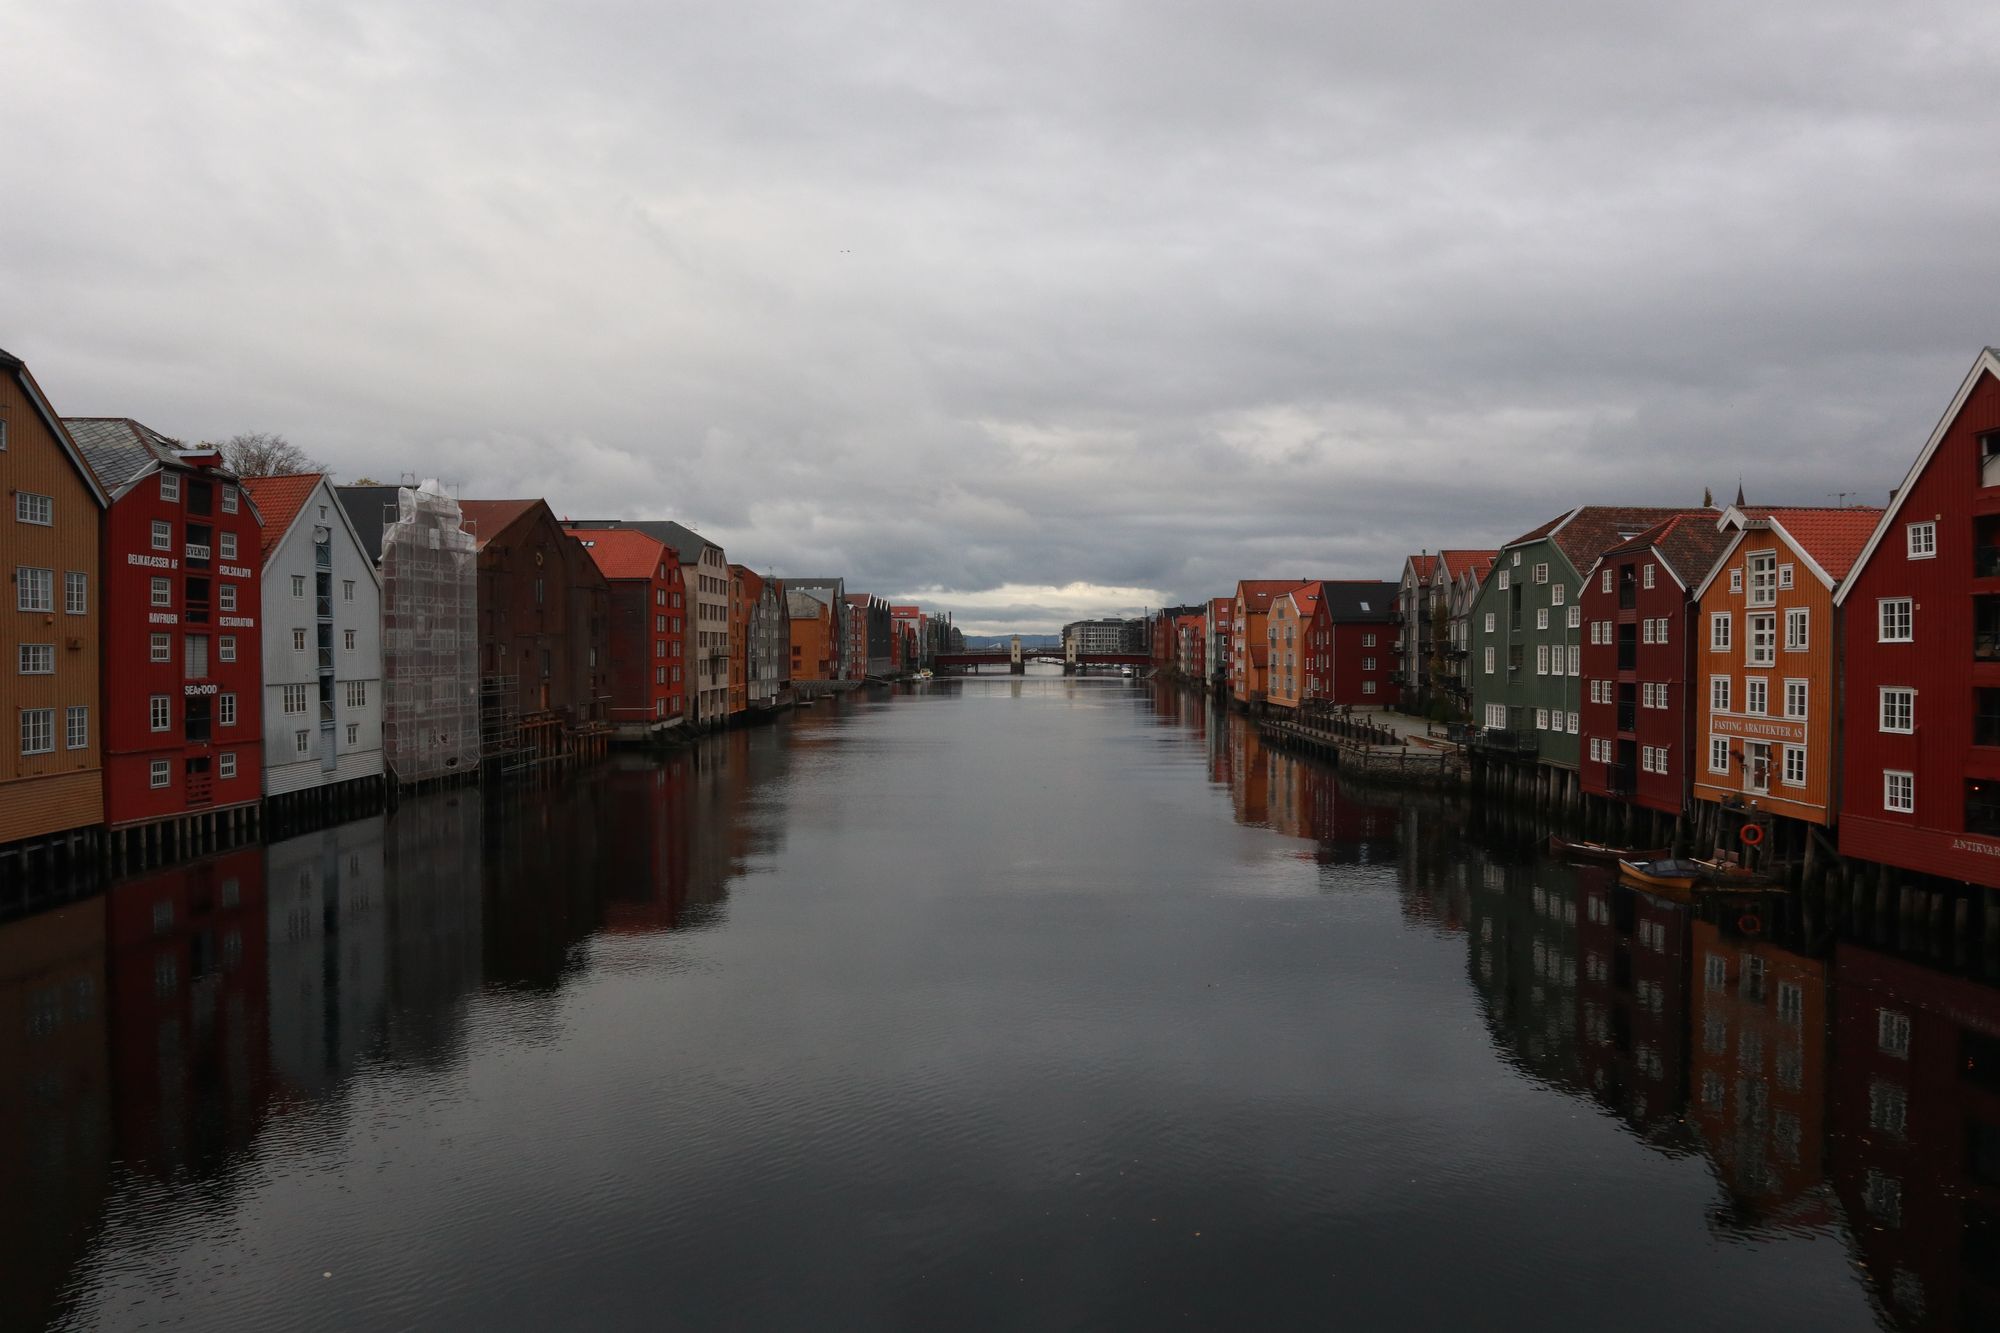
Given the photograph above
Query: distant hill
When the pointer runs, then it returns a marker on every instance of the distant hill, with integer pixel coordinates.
(1002, 640)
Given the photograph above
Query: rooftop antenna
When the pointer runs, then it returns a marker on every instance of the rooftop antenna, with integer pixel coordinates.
(1841, 496)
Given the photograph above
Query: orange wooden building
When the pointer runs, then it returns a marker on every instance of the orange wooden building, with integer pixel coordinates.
(1249, 642)
(1765, 704)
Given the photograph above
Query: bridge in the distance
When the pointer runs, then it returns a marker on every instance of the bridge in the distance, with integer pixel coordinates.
(1016, 658)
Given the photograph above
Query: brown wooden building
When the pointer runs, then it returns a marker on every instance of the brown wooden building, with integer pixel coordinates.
(544, 625)
(51, 762)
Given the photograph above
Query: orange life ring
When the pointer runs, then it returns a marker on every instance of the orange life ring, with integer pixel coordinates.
(1752, 834)
(1750, 924)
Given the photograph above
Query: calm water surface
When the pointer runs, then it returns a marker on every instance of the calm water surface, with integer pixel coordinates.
(1012, 1004)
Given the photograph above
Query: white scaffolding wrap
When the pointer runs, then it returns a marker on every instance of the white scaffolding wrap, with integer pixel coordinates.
(430, 637)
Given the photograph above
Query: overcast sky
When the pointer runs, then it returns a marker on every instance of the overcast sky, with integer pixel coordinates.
(1030, 310)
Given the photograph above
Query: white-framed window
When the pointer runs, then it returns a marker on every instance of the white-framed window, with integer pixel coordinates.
(1736, 580)
(1795, 698)
(1541, 719)
(225, 648)
(76, 592)
(1541, 617)
(302, 742)
(1489, 622)
(1718, 755)
(38, 730)
(1368, 687)
(1660, 760)
(1718, 694)
(1604, 581)
(1895, 620)
(1576, 617)
(1898, 709)
(225, 710)
(225, 545)
(1541, 659)
(1541, 573)
(39, 510)
(293, 699)
(1922, 540)
(1798, 629)
(161, 773)
(163, 535)
(229, 501)
(1719, 632)
(170, 487)
(1517, 560)
(347, 590)
(163, 592)
(1646, 631)
(1784, 576)
(1646, 575)
(226, 596)
(298, 585)
(1489, 661)
(1576, 659)
(226, 765)
(354, 733)
(1575, 721)
(1504, 581)
(160, 712)
(160, 647)
(1761, 628)
(1558, 594)
(298, 640)
(1899, 792)
(357, 694)
(34, 589)
(76, 727)
(37, 659)
(1496, 717)
(1793, 771)
(1756, 695)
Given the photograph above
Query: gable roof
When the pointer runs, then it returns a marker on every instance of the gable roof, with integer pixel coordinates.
(279, 500)
(1422, 565)
(688, 543)
(1828, 540)
(1686, 545)
(1304, 599)
(1358, 599)
(367, 509)
(1455, 563)
(65, 439)
(802, 605)
(487, 519)
(621, 553)
(1986, 363)
(1257, 593)
(1584, 532)
(119, 449)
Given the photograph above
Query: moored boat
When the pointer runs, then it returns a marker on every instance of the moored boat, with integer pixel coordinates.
(1661, 873)
(1597, 851)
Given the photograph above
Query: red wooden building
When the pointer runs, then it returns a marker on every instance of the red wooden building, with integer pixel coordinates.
(1638, 636)
(183, 652)
(648, 636)
(1350, 645)
(1920, 782)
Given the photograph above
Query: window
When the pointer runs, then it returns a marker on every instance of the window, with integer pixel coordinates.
(294, 699)
(229, 499)
(1797, 636)
(1517, 560)
(160, 710)
(1541, 719)
(76, 593)
(1367, 663)
(1660, 760)
(347, 640)
(298, 640)
(1542, 659)
(1899, 709)
(1736, 580)
(226, 766)
(1893, 619)
(1795, 698)
(225, 648)
(1575, 659)
(170, 487)
(1541, 617)
(354, 733)
(38, 730)
(302, 742)
(1489, 661)
(163, 535)
(162, 648)
(1558, 595)
(347, 590)
(1489, 622)
(1762, 631)
(1922, 539)
(1576, 617)
(1784, 576)
(163, 592)
(37, 659)
(227, 596)
(1646, 631)
(1892, 1032)
(1793, 771)
(1646, 578)
(225, 710)
(357, 694)
(76, 727)
(1718, 632)
(1605, 582)
(1718, 694)
(298, 585)
(1368, 687)
(1756, 695)
(1718, 755)
(34, 589)
(1541, 573)
(162, 772)
(37, 509)
(1574, 720)
(1899, 792)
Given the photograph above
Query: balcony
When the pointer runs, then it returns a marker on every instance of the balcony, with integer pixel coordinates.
(1986, 629)
(1986, 717)
(1620, 780)
(1628, 715)
(1499, 740)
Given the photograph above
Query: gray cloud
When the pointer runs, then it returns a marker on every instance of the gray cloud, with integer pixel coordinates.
(1126, 300)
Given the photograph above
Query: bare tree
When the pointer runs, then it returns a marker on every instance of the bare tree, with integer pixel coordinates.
(264, 454)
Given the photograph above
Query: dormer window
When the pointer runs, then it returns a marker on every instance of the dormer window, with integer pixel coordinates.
(170, 488)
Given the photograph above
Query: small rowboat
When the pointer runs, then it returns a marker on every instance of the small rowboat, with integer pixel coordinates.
(1597, 851)
(1662, 873)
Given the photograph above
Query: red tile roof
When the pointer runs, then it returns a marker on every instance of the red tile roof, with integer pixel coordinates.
(1689, 544)
(487, 519)
(1583, 533)
(622, 553)
(1457, 562)
(1832, 537)
(1257, 593)
(1425, 565)
(278, 501)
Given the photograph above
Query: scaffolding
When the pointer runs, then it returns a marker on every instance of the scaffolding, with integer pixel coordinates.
(430, 637)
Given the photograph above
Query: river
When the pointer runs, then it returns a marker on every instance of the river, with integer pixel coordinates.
(1006, 1003)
